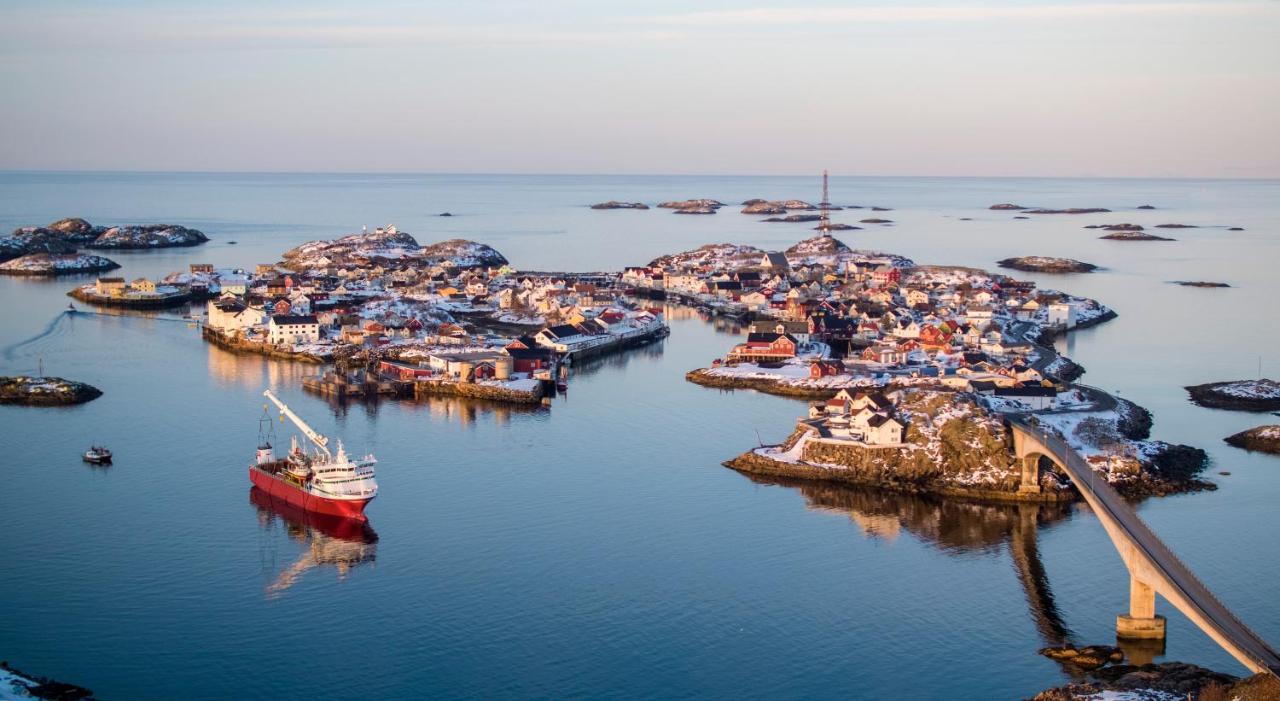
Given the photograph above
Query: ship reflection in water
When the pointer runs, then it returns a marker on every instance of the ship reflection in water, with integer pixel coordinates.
(330, 541)
(955, 527)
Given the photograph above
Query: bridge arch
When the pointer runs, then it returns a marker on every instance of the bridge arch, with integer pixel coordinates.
(1153, 568)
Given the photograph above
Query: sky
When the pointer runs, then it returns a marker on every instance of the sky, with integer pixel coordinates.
(916, 87)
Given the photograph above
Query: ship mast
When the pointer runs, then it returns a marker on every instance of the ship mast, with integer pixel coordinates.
(321, 441)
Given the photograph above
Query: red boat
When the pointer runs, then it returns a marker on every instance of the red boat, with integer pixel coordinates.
(319, 481)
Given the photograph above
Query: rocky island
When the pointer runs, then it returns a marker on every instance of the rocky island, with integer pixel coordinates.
(1200, 283)
(1241, 395)
(614, 204)
(1165, 681)
(147, 236)
(49, 264)
(68, 235)
(388, 244)
(45, 391)
(1263, 439)
(698, 206)
(1133, 235)
(1069, 210)
(1045, 264)
(795, 218)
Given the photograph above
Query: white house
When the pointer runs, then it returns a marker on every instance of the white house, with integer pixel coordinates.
(1062, 314)
(288, 330)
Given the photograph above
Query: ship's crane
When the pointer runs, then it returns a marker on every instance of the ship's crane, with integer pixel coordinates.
(321, 441)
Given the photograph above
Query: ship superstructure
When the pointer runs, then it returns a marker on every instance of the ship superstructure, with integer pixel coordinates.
(316, 480)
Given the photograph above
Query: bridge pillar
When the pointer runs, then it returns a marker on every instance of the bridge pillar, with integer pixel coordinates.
(1142, 621)
(1030, 474)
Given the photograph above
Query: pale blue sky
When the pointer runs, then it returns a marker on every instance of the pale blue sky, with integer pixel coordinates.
(929, 87)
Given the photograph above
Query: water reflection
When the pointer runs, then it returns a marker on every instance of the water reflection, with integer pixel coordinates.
(616, 361)
(954, 527)
(329, 541)
(255, 371)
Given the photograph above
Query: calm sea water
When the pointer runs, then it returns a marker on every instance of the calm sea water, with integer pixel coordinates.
(596, 548)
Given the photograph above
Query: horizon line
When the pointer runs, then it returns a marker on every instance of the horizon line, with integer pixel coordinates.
(125, 171)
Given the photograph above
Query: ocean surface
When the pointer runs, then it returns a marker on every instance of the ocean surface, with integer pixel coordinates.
(597, 548)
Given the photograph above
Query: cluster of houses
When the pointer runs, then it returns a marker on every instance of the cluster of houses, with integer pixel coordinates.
(872, 315)
(139, 289)
(866, 418)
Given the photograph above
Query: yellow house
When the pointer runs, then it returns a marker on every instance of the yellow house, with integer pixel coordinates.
(110, 286)
(143, 285)
(447, 291)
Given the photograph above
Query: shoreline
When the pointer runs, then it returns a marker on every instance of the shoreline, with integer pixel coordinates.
(241, 346)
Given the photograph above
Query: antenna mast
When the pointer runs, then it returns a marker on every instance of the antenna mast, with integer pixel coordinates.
(825, 206)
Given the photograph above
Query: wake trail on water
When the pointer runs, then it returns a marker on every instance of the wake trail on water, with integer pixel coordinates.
(11, 350)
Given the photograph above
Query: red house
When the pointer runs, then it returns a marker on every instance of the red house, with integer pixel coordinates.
(825, 368)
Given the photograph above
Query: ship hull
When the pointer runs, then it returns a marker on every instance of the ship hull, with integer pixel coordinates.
(279, 489)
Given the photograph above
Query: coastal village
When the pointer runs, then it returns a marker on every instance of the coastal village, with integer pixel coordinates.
(397, 318)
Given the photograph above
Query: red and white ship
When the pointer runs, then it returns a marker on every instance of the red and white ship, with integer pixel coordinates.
(316, 481)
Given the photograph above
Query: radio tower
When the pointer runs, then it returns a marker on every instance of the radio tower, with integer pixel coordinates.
(825, 206)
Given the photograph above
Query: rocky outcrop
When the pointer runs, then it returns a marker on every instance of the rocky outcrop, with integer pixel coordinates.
(730, 254)
(817, 246)
(763, 207)
(1241, 395)
(838, 226)
(45, 391)
(16, 684)
(1116, 227)
(462, 253)
(1177, 226)
(1167, 680)
(614, 204)
(147, 236)
(1006, 206)
(874, 220)
(1200, 283)
(1144, 206)
(796, 218)
(1086, 658)
(953, 447)
(1264, 439)
(1069, 210)
(1045, 264)
(699, 206)
(49, 264)
(1134, 236)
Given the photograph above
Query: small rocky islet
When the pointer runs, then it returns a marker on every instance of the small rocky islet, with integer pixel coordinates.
(611, 204)
(1240, 395)
(1046, 264)
(45, 391)
(49, 264)
(1262, 439)
(1200, 283)
(67, 236)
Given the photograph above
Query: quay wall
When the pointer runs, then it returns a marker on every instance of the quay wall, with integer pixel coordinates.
(453, 388)
(236, 344)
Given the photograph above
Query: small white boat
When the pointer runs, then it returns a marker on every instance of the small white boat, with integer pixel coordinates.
(97, 455)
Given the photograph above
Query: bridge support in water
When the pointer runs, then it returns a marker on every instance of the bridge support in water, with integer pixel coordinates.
(1142, 623)
(1030, 483)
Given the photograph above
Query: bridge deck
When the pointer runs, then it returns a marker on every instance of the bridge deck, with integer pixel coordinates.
(1251, 649)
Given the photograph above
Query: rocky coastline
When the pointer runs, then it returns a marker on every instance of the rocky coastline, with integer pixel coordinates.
(89, 295)
(1200, 283)
(45, 391)
(1240, 395)
(53, 264)
(16, 684)
(1261, 439)
(614, 204)
(1046, 264)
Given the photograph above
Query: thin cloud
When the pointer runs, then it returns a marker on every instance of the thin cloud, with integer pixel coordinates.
(940, 13)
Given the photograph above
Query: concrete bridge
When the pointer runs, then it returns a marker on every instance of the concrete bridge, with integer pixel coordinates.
(1153, 568)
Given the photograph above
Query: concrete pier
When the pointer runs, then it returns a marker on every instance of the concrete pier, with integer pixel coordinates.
(1142, 622)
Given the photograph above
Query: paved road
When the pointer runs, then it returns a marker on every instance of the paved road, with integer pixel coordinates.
(1200, 605)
